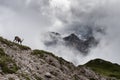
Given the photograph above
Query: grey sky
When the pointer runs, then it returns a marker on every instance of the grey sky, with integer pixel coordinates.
(31, 18)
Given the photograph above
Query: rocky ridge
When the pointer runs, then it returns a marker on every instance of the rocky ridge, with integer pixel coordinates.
(72, 41)
(27, 64)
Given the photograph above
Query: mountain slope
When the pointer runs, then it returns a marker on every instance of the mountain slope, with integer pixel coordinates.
(105, 68)
(22, 63)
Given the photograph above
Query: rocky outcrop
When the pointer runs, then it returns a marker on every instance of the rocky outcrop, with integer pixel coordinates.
(41, 65)
(81, 45)
(71, 41)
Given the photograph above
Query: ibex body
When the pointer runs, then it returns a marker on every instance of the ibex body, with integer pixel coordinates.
(18, 39)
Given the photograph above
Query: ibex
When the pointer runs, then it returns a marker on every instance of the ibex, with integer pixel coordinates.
(17, 39)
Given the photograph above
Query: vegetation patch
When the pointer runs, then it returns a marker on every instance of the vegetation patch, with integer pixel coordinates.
(5, 41)
(39, 53)
(25, 76)
(105, 68)
(6, 63)
(22, 47)
(42, 54)
(10, 44)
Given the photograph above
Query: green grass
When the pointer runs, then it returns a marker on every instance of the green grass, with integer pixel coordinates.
(105, 68)
(2, 53)
(6, 63)
(22, 47)
(39, 53)
(5, 41)
(11, 44)
(42, 54)
(26, 77)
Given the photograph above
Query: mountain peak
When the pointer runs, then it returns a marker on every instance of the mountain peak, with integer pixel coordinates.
(72, 41)
(81, 45)
(72, 37)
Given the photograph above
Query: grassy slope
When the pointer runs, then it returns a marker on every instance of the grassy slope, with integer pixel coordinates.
(10, 44)
(7, 65)
(42, 54)
(105, 68)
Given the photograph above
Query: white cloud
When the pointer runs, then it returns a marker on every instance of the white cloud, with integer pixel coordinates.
(31, 18)
(60, 4)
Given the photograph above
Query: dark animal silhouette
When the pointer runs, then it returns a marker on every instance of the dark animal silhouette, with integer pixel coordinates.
(18, 39)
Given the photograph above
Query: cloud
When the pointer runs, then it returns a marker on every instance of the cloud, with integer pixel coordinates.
(30, 19)
(24, 20)
(94, 14)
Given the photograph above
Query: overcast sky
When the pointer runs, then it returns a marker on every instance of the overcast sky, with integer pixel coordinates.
(29, 19)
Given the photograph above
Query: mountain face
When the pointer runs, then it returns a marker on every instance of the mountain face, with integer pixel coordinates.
(19, 62)
(73, 41)
(81, 45)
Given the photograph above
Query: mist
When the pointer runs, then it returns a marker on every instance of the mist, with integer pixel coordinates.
(31, 19)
